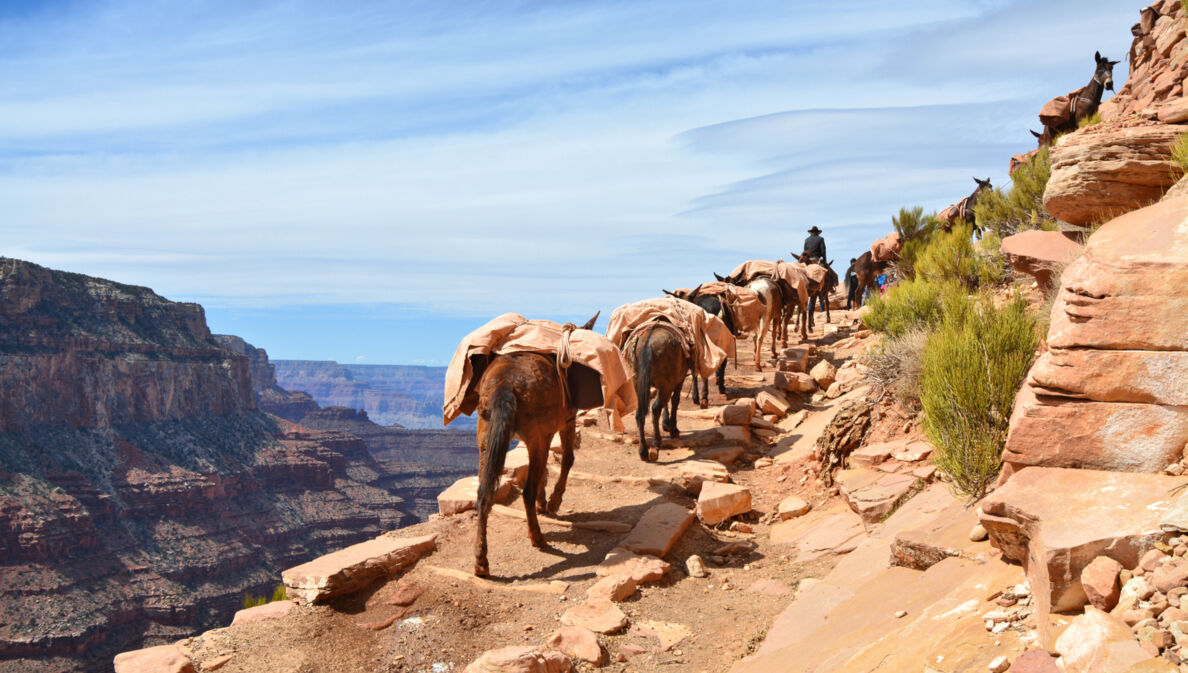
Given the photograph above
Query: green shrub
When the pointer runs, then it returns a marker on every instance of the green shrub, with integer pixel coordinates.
(993, 269)
(1021, 207)
(950, 258)
(1180, 153)
(973, 367)
(1092, 119)
(279, 594)
(912, 304)
(250, 601)
(916, 229)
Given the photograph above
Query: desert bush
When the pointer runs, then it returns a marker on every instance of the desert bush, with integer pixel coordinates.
(951, 258)
(1022, 206)
(250, 601)
(973, 366)
(1091, 120)
(279, 594)
(896, 365)
(916, 228)
(993, 269)
(912, 304)
(1179, 154)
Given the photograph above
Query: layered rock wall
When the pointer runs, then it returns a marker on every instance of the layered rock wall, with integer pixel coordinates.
(142, 492)
(1109, 394)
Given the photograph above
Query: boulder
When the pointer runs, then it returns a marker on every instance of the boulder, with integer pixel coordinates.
(641, 568)
(772, 401)
(260, 613)
(874, 494)
(792, 507)
(597, 615)
(1041, 254)
(1056, 521)
(612, 588)
(462, 494)
(1100, 581)
(515, 469)
(794, 360)
(658, 529)
(735, 414)
(1035, 661)
(159, 659)
(355, 567)
(521, 659)
(692, 474)
(1109, 169)
(1110, 393)
(824, 373)
(578, 643)
(795, 382)
(1095, 642)
(738, 435)
(718, 502)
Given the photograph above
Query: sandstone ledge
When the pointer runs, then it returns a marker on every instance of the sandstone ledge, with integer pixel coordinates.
(348, 570)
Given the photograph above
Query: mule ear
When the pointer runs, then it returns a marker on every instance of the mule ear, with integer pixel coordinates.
(721, 279)
(1033, 133)
(1114, 63)
(693, 294)
(667, 292)
(1097, 56)
(590, 323)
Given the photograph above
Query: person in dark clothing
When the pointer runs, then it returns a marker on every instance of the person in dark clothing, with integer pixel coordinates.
(851, 287)
(814, 245)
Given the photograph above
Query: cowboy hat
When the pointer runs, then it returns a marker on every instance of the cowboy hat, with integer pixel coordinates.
(814, 230)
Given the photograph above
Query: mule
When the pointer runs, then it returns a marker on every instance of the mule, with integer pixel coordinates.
(819, 292)
(523, 395)
(715, 306)
(866, 270)
(774, 295)
(1082, 103)
(658, 359)
(963, 210)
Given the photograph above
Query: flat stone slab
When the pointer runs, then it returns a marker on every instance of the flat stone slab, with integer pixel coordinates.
(874, 494)
(718, 502)
(913, 451)
(600, 616)
(692, 474)
(159, 659)
(640, 567)
(658, 530)
(521, 659)
(1057, 520)
(873, 454)
(831, 534)
(260, 613)
(463, 494)
(355, 567)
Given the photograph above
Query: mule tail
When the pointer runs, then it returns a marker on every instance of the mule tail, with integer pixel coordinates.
(500, 429)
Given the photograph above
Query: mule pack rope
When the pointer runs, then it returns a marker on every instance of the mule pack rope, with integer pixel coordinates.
(565, 359)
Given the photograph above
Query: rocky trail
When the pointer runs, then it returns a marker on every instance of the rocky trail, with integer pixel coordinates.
(726, 554)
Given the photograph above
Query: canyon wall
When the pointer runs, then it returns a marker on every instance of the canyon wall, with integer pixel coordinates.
(143, 492)
(406, 395)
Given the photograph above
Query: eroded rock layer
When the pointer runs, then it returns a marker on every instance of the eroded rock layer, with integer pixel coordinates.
(1109, 393)
(142, 492)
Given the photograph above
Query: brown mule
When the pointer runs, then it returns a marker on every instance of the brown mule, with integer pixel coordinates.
(658, 360)
(866, 270)
(522, 395)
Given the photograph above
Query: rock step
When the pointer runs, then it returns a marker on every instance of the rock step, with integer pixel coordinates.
(875, 494)
(462, 495)
(353, 568)
(945, 536)
(658, 530)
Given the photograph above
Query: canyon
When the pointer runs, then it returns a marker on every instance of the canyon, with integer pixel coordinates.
(145, 488)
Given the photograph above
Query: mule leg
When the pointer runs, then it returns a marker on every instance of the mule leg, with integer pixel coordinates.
(543, 484)
(696, 397)
(657, 409)
(641, 414)
(538, 464)
(704, 391)
(675, 402)
(568, 439)
(721, 376)
(483, 504)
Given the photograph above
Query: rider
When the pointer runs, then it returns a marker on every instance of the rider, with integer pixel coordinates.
(814, 248)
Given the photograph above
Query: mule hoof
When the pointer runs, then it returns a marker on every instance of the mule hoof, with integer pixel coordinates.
(553, 506)
(653, 454)
(540, 543)
(481, 569)
(704, 404)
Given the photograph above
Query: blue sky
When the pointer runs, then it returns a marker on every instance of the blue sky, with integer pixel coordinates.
(367, 183)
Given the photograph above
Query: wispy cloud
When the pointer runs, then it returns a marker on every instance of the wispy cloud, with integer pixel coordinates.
(478, 157)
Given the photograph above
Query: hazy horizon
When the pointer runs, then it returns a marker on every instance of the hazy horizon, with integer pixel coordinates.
(368, 184)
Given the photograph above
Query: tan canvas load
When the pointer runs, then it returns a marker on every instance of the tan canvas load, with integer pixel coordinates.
(706, 337)
(793, 277)
(597, 376)
(745, 305)
(887, 248)
(1057, 111)
(815, 272)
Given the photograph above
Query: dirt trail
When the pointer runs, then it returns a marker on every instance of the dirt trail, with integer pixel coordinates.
(681, 623)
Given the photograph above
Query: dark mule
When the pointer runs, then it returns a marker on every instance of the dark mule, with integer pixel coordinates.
(866, 270)
(713, 305)
(523, 395)
(963, 210)
(656, 352)
(1065, 114)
